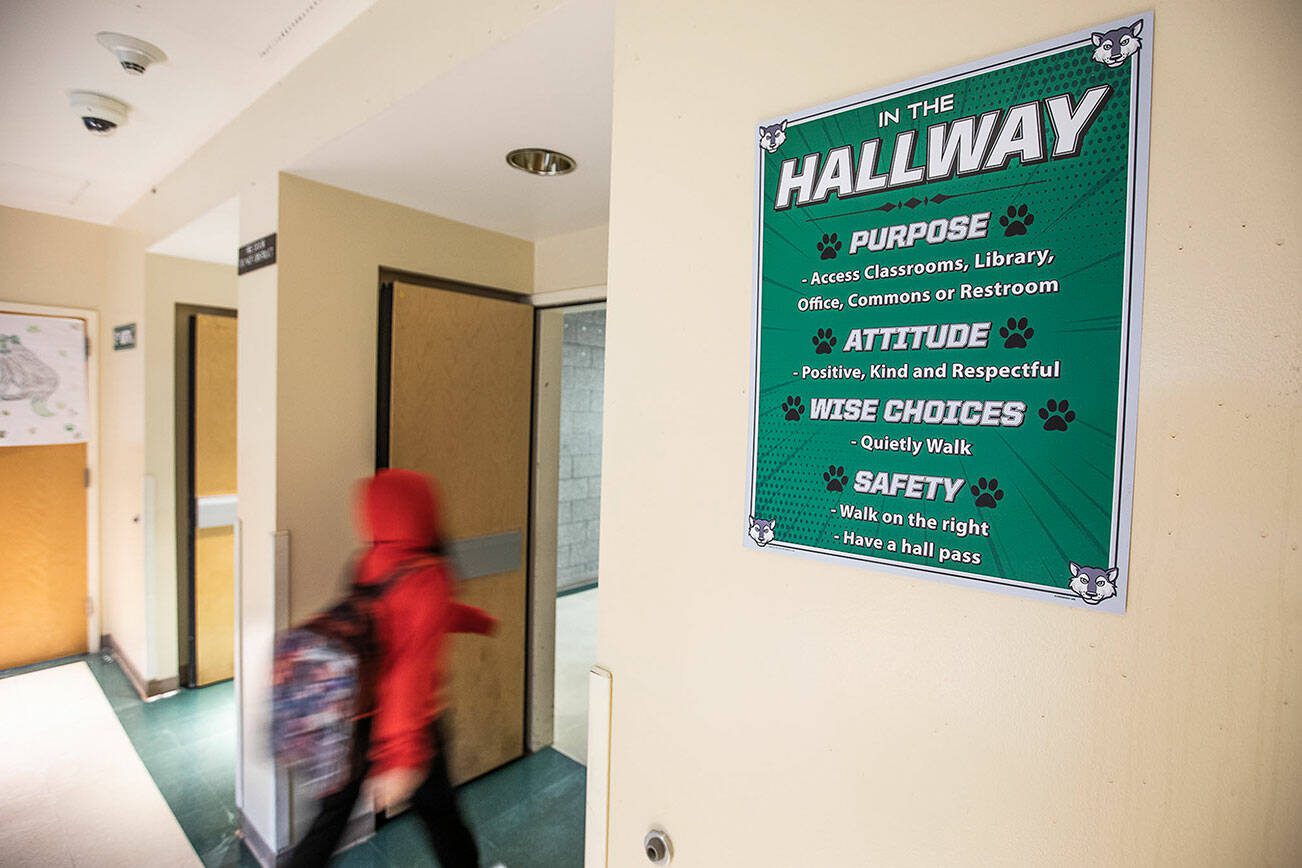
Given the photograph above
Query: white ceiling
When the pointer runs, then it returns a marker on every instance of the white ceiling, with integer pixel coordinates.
(211, 237)
(443, 148)
(223, 54)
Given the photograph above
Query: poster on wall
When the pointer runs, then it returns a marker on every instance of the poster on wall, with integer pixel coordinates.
(43, 390)
(949, 276)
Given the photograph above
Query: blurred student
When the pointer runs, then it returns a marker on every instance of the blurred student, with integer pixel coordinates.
(404, 742)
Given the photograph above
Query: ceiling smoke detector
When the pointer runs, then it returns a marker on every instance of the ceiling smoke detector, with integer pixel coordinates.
(135, 55)
(541, 161)
(99, 114)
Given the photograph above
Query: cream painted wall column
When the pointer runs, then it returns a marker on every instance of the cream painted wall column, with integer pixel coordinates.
(261, 603)
(772, 712)
(123, 519)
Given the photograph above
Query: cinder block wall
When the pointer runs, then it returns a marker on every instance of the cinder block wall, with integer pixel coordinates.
(583, 364)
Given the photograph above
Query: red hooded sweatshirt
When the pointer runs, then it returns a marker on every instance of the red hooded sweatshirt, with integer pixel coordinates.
(399, 516)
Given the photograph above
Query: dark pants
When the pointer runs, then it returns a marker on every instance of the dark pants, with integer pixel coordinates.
(434, 801)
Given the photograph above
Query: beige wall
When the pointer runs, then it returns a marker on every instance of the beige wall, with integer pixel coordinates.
(168, 281)
(332, 245)
(571, 261)
(54, 261)
(771, 711)
(307, 369)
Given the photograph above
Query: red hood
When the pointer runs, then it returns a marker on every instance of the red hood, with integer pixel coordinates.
(398, 514)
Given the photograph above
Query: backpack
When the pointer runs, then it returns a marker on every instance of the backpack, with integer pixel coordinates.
(323, 683)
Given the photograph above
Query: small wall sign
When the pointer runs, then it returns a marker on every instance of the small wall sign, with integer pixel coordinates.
(258, 254)
(124, 337)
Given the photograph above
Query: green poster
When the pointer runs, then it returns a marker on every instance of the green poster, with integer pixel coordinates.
(948, 292)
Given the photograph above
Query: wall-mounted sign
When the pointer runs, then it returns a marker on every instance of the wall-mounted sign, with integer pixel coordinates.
(124, 337)
(43, 387)
(257, 254)
(949, 275)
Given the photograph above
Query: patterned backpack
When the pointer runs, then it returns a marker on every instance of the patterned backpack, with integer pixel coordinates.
(323, 682)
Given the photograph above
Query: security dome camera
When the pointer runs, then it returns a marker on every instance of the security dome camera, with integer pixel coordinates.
(135, 55)
(100, 114)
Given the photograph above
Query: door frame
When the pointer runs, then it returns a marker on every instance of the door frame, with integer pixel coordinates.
(543, 507)
(93, 590)
(183, 389)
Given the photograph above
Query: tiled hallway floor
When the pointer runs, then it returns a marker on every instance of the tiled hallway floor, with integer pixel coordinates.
(528, 814)
(187, 741)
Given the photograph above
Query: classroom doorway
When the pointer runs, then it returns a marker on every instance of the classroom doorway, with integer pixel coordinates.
(510, 426)
(49, 588)
(570, 376)
(206, 497)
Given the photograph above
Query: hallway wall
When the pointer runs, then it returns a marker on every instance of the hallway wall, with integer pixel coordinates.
(332, 245)
(308, 343)
(47, 260)
(573, 260)
(868, 718)
(169, 281)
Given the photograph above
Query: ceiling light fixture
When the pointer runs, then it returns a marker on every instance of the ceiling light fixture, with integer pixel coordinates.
(135, 55)
(541, 161)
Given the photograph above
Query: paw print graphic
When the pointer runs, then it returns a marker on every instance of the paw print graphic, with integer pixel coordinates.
(987, 492)
(793, 408)
(835, 478)
(1016, 220)
(828, 247)
(1056, 416)
(1016, 333)
(823, 342)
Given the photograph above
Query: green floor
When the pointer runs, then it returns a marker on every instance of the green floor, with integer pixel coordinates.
(528, 814)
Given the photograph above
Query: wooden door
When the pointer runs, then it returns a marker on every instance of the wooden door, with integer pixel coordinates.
(43, 590)
(214, 378)
(42, 553)
(460, 410)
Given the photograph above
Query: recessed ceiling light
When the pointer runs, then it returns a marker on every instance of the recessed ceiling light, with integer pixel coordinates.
(541, 161)
(135, 55)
